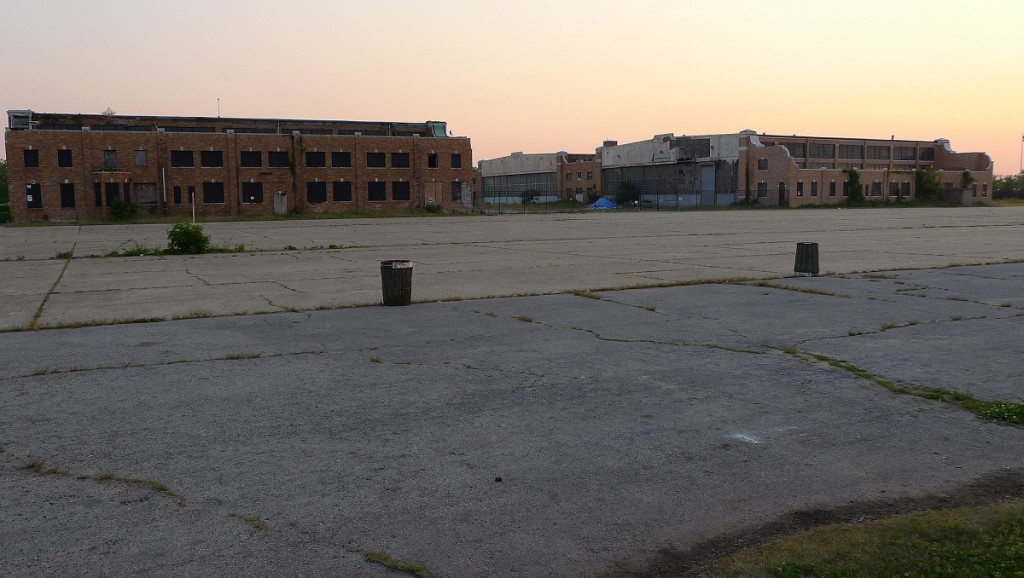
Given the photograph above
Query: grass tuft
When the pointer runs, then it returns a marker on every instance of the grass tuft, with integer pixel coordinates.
(524, 318)
(385, 560)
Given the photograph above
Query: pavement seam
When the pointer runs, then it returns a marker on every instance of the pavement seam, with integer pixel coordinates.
(53, 289)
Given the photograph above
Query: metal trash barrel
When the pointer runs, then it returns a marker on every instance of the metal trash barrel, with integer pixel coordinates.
(806, 259)
(396, 282)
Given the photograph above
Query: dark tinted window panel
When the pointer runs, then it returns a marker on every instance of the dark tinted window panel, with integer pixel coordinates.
(31, 158)
(252, 193)
(316, 192)
(342, 192)
(400, 191)
(34, 196)
(341, 159)
(177, 195)
(97, 191)
(377, 191)
(251, 159)
(376, 160)
(112, 192)
(182, 159)
(316, 160)
(277, 159)
(64, 159)
(456, 160)
(211, 158)
(432, 161)
(400, 160)
(213, 193)
(67, 196)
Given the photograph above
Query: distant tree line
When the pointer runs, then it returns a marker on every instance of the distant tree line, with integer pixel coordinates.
(1008, 187)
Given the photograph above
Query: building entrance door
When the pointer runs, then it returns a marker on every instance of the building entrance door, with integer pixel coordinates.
(707, 186)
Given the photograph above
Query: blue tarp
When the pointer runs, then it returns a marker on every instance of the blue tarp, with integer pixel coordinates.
(604, 204)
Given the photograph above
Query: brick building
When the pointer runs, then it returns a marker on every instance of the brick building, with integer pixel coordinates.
(776, 170)
(549, 177)
(67, 167)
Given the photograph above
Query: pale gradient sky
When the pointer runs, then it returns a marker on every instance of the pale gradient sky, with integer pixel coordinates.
(538, 76)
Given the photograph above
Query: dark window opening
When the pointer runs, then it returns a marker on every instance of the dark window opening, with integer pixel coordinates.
(213, 193)
(316, 192)
(64, 158)
(252, 193)
(377, 191)
(31, 158)
(814, 188)
(34, 196)
(316, 160)
(112, 191)
(109, 160)
(457, 191)
(762, 164)
(456, 160)
(177, 195)
(182, 159)
(277, 159)
(342, 191)
(927, 154)
(341, 160)
(97, 191)
(141, 158)
(762, 190)
(432, 161)
(799, 188)
(400, 160)
(400, 191)
(211, 158)
(251, 159)
(376, 160)
(832, 189)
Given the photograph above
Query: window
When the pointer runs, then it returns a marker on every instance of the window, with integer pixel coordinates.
(851, 151)
(905, 190)
(814, 188)
(796, 150)
(213, 193)
(400, 191)
(376, 160)
(141, 158)
(211, 159)
(341, 160)
(432, 161)
(377, 191)
(876, 189)
(64, 158)
(177, 195)
(399, 160)
(97, 191)
(252, 193)
(277, 159)
(823, 151)
(927, 154)
(904, 153)
(251, 159)
(457, 192)
(799, 188)
(579, 175)
(832, 189)
(34, 196)
(590, 175)
(762, 164)
(181, 159)
(145, 193)
(894, 189)
(984, 189)
(316, 160)
(316, 192)
(342, 192)
(878, 152)
(568, 176)
(112, 192)
(456, 160)
(109, 160)
(31, 158)
(762, 189)
(846, 188)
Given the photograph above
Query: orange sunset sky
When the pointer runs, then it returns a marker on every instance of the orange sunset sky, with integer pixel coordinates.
(538, 76)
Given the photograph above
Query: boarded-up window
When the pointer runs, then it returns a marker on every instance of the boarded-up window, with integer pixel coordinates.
(97, 191)
(341, 160)
(109, 160)
(213, 193)
(67, 195)
(112, 191)
(177, 195)
(182, 159)
(141, 158)
(64, 158)
(252, 193)
(377, 191)
(457, 191)
(31, 157)
(375, 160)
(399, 160)
(316, 160)
(316, 192)
(456, 160)
(277, 159)
(400, 191)
(432, 161)
(251, 159)
(342, 192)
(34, 196)
(211, 158)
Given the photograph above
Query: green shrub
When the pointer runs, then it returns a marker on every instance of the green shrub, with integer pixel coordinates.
(187, 238)
(433, 208)
(122, 211)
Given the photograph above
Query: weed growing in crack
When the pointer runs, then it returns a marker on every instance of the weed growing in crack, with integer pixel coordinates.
(253, 521)
(375, 359)
(524, 318)
(382, 558)
(240, 356)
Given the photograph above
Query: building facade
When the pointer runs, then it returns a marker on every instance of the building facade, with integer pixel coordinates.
(544, 177)
(67, 167)
(775, 170)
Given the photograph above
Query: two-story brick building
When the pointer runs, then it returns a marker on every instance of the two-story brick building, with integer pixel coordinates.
(69, 167)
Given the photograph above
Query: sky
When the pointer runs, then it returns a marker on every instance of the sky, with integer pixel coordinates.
(539, 76)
